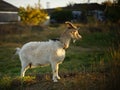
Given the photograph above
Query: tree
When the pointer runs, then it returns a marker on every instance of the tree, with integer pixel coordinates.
(70, 4)
(107, 3)
(32, 15)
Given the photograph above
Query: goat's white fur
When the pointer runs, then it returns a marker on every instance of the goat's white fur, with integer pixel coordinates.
(51, 52)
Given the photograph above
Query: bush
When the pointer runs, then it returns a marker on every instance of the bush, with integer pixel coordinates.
(32, 15)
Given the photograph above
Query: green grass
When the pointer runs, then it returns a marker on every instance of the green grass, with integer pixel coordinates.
(88, 65)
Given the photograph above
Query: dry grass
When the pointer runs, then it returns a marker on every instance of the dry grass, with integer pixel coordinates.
(71, 81)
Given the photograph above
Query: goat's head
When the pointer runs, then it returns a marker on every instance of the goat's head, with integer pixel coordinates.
(73, 31)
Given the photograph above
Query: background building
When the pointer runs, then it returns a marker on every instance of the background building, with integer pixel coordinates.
(8, 12)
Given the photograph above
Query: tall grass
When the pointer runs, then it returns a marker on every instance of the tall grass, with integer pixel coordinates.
(113, 79)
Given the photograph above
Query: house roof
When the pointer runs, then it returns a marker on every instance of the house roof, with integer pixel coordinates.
(86, 6)
(4, 6)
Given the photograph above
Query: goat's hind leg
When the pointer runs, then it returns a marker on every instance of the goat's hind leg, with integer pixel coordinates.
(24, 68)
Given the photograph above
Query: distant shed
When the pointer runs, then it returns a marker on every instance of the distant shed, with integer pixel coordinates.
(8, 12)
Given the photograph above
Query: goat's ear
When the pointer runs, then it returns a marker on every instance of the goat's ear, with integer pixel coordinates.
(70, 25)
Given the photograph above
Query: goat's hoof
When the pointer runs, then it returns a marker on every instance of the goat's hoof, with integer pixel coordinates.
(58, 77)
(55, 80)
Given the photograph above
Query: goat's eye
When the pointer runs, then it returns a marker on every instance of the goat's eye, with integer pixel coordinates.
(74, 31)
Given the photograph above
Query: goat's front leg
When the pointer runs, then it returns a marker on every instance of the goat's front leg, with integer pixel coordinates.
(55, 68)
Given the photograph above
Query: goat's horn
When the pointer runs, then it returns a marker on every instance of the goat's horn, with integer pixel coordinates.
(71, 25)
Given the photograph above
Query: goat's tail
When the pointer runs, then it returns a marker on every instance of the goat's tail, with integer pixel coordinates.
(17, 51)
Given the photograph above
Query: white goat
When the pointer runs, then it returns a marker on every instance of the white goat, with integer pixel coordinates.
(52, 52)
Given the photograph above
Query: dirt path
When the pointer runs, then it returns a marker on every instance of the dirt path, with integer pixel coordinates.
(69, 81)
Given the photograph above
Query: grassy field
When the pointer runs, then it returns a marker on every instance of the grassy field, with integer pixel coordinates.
(91, 63)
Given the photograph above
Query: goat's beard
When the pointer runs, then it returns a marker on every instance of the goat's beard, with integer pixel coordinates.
(74, 40)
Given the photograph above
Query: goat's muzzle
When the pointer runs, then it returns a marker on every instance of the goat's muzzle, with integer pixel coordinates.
(77, 36)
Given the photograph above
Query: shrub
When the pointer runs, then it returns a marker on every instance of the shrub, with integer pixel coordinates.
(32, 15)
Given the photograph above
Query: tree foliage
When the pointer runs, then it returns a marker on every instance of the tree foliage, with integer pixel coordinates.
(107, 3)
(32, 15)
